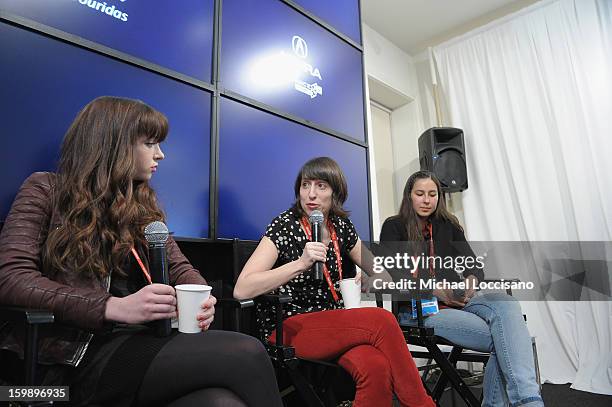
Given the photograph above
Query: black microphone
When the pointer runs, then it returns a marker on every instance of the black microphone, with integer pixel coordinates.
(156, 234)
(316, 224)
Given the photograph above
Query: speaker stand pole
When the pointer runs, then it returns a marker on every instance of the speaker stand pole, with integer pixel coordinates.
(434, 84)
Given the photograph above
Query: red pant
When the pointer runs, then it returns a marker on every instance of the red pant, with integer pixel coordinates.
(369, 344)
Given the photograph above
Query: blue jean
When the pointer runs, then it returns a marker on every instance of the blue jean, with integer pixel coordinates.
(493, 323)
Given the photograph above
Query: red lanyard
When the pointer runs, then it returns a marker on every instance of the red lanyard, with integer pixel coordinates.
(430, 261)
(142, 267)
(334, 239)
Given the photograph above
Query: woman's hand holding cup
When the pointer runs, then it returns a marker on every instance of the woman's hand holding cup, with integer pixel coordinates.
(207, 315)
(196, 307)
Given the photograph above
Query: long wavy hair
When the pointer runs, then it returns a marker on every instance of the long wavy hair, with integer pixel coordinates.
(325, 169)
(408, 215)
(102, 211)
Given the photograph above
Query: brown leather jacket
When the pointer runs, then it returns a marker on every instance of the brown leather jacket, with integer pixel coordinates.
(78, 301)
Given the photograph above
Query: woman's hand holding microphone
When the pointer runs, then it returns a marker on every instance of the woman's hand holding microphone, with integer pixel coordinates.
(150, 303)
(313, 252)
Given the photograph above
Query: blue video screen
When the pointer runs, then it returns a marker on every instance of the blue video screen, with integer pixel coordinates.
(260, 155)
(177, 35)
(272, 54)
(343, 15)
(45, 83)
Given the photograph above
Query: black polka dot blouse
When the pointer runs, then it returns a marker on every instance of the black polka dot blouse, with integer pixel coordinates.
(308, 294)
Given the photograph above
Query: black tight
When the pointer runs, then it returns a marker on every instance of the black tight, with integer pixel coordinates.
(213, 368)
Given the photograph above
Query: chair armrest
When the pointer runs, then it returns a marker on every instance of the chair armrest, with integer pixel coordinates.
(413, 333)
(235, 310)
(31, 319)
(249, 302)
(239, 305)
(235, 303)
(276, 299)
(26, 315)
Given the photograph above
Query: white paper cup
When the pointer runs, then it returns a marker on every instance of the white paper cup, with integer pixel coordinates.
(189, 299)
(351, 293)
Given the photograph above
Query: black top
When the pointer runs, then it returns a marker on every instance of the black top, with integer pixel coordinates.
(308, 294)
(449, 241)
(102, 375)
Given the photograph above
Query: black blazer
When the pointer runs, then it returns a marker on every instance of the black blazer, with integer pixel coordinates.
(449, 241)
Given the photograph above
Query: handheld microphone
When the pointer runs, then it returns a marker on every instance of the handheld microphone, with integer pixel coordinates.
(156, 234)
(316, 224)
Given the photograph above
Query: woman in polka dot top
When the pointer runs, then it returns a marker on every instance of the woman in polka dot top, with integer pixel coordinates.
(367, 342)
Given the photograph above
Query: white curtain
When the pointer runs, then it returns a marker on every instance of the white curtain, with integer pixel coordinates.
(533, 94)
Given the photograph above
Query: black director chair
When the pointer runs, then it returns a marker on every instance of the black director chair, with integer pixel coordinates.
(14, 372)
(425, 337)
(318, 383)
(422, 336)
(446, 361)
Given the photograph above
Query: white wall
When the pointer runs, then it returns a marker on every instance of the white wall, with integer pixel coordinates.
(387, 63)
(409, 75)
(383, 153)
(428, 111)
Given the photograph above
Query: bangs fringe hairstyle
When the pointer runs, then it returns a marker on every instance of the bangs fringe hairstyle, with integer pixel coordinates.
(325, 169)
(408, 215)
(102, 211)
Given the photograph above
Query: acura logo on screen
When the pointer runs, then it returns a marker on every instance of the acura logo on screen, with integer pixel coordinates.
(300, 49)
(299, 46)
(278, 69)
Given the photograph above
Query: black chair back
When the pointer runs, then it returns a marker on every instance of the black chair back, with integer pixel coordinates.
(318, 383)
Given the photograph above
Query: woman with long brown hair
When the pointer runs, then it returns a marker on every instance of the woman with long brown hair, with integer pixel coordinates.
(73, 243)
(490, 322)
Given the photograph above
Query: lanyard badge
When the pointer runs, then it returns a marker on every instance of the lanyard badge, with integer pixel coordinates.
(429, 306)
